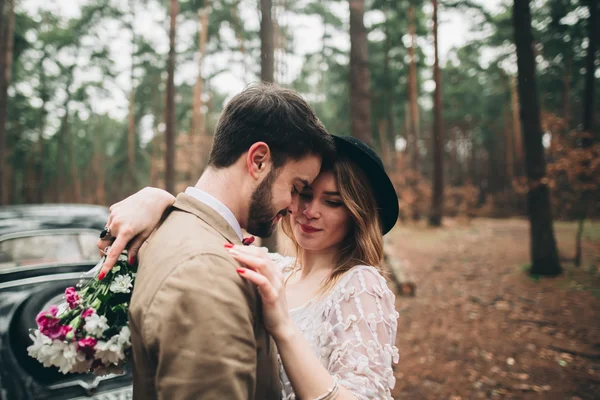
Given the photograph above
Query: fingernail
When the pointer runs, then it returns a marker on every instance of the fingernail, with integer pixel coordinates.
(248, 241)
(132, 260)
(228, 245)
(101, 275)
(240, 270)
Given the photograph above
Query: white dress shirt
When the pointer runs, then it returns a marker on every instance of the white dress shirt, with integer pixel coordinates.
(216, 205)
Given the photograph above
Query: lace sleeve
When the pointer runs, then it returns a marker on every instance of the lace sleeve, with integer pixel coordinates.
(362, 333)
(284, 262)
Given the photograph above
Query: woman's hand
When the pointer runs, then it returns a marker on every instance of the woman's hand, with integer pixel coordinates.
(131, 222)
(259, 269)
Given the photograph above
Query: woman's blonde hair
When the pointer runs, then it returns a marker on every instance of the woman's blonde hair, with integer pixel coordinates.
(363, 244)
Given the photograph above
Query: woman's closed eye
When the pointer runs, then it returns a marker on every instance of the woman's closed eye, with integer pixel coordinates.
(334, 204)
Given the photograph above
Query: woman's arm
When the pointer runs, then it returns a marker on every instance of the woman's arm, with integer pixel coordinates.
(131, 221)
(309, 378)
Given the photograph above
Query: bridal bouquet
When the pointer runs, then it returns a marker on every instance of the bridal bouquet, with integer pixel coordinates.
(89, 331)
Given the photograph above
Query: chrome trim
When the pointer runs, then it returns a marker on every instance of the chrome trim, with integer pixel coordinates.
(42, 279)
(44, 266)
(89, 387)
(52, 232)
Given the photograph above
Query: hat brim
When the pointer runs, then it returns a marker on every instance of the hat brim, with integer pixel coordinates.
(370, 164)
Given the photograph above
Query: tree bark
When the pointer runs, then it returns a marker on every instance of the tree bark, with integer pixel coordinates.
(567, 92)
(518, 137)
(509, 146)
(360, 83)
(437, 201)
(131, 142)
(170, 132)
(590, 80)
(267, 49)
(6, 59)
(198, 123)
(267, 74)
(544, 253)
(413, 130)
(390, 133)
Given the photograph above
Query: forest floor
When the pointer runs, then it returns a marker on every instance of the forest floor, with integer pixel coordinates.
(480, 327)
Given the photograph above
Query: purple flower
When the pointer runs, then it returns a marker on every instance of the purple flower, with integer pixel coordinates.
(72, 297)
(87, 313)
(86, 345)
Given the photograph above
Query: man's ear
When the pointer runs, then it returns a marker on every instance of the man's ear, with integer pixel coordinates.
(258, 159)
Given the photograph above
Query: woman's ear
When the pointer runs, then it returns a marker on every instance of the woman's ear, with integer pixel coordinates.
(258, 159)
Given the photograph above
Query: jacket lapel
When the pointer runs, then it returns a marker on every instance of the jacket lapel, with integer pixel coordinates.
(211, 217)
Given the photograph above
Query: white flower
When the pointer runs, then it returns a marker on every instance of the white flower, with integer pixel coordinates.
(122, 257)
(124, 338)
(40, 349)
(121, 284)
(110, 352)
(68, 356)
(95, 325)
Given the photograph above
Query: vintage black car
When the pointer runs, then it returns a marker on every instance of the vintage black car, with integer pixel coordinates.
(43, 250)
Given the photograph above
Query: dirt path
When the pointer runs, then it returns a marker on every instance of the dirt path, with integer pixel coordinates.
(480, 327)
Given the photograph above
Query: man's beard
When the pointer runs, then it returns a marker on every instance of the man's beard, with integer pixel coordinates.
(261, 213)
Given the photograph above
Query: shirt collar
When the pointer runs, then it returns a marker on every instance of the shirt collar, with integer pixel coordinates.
(216, 205)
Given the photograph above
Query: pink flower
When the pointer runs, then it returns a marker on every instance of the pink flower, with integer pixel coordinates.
(58, 332)
(87, 313)
(86, 345)
(47, 321)
(72, 297)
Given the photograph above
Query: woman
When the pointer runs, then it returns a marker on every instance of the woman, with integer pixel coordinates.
(329, 310)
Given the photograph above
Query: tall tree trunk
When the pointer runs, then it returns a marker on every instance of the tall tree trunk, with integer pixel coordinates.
(413, 132)
(267, 74)
(472, 174)
(437, 201)
(509, 146)
(590, 134)
(6, 59)
(131, 142)
(74, 174)
(567, 91)
(389, 133)
(590, 80)
(518, 137)
(360, 83)
(198, 123)
(171, 132)
(384, 144)
(544, 253)
(267, 46)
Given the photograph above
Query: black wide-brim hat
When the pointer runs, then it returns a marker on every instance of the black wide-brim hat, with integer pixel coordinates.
(370, 163)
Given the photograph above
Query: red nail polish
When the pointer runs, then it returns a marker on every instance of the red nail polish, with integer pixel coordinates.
(248, 241)
(101, 275)
(228, 245)
(240, 270)
(132, 260)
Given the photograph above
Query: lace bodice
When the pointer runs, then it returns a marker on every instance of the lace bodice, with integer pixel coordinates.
(352, 330)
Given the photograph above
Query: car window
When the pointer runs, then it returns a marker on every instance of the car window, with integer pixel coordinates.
(46, 249)
(87, 243)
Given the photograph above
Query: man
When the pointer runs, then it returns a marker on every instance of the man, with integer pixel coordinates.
(196, 326)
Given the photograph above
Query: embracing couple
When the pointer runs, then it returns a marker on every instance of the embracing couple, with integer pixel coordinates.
(214, 318)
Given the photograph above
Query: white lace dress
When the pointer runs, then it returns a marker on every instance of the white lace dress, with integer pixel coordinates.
(352, 330)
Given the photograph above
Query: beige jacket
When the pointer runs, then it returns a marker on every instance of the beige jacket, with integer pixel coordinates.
(196, 325)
